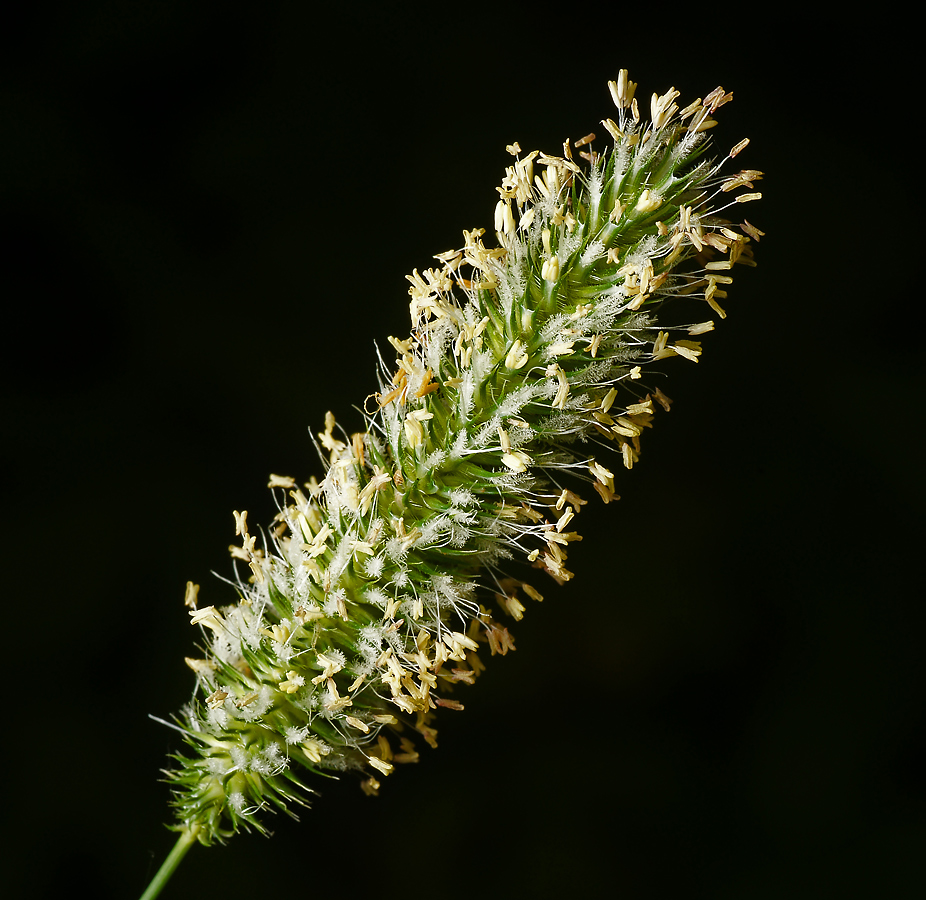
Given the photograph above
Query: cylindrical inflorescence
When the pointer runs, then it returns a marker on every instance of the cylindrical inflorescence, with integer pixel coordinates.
(377, 588)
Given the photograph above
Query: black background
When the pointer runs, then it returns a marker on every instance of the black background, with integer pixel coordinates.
(206, 216)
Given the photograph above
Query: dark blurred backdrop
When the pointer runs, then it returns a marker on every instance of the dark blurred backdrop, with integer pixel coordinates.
(206, 216)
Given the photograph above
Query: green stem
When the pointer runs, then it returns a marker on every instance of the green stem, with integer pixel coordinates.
(184, 842)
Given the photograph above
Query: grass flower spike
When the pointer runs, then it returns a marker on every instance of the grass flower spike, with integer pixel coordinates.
(378, 593)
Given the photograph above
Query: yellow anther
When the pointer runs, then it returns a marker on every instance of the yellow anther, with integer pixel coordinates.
(293, 682)
(192, 592)
(281, 481)
(517, 356)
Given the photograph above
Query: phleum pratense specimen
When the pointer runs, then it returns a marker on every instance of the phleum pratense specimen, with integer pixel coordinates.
(377, 593)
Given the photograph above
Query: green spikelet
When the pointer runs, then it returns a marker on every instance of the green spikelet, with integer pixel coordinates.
(376, 592)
